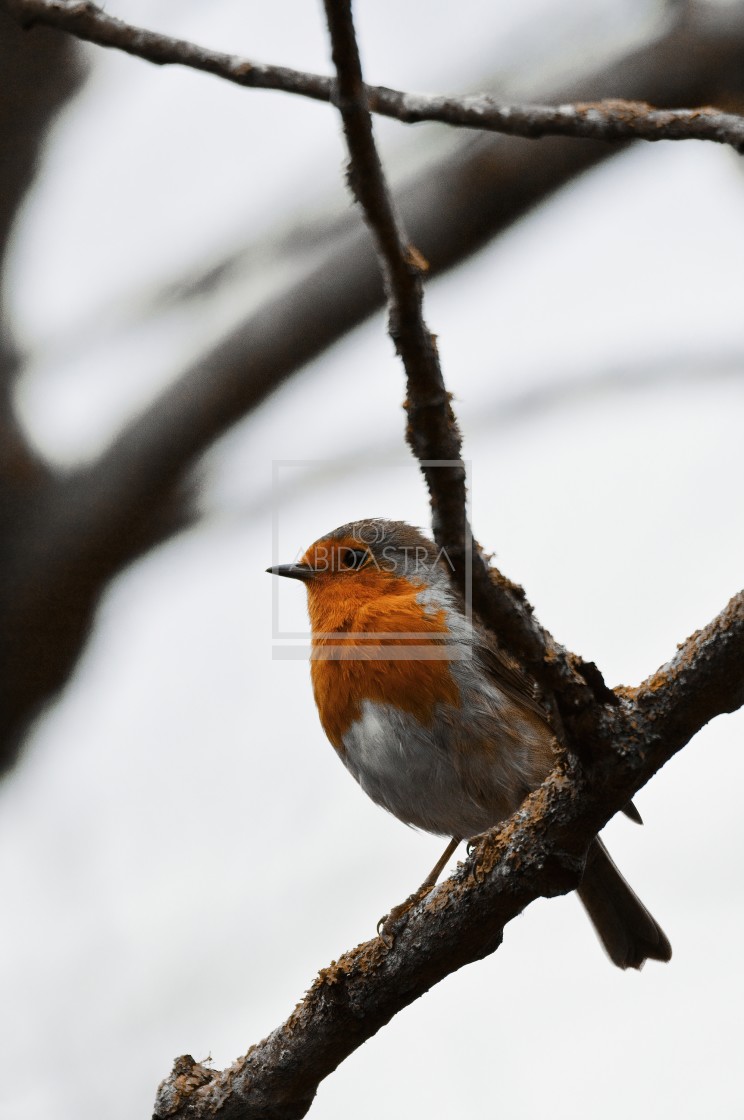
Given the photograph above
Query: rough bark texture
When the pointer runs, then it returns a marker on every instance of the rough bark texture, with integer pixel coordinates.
(538, 853)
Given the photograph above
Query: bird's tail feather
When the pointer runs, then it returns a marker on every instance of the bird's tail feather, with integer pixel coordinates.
(628, 932)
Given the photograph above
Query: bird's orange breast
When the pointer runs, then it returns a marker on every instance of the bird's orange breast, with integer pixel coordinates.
(347, 670)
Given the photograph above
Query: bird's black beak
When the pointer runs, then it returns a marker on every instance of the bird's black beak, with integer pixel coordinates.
(293, 571)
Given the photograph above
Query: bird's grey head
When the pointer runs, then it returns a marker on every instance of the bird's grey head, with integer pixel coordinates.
(389, 546)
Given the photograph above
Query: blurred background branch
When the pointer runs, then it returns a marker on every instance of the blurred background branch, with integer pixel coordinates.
(72, 532)
(38, 74)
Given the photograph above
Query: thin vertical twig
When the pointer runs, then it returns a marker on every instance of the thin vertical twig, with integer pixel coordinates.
(432, 430)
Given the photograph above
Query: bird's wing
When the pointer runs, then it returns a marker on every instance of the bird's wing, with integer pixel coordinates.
(508, 675)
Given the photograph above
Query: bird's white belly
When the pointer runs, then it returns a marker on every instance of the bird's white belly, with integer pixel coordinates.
(408, 769)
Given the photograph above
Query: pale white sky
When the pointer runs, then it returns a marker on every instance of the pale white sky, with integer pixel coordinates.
(180, 849)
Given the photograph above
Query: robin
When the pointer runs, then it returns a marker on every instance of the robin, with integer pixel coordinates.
(436, 722)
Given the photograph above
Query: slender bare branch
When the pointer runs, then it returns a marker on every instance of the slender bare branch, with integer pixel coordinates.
(539, 852)
(432, 431)
(450, 210)
(610, 119)
(87, 21)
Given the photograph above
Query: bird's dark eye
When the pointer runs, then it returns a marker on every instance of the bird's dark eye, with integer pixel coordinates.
(352, 559)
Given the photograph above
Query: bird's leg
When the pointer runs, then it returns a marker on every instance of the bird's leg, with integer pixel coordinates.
(439, 866)
(385, 924)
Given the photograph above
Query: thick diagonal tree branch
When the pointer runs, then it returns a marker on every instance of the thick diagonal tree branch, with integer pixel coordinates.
(600, 120)
(538, 853)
